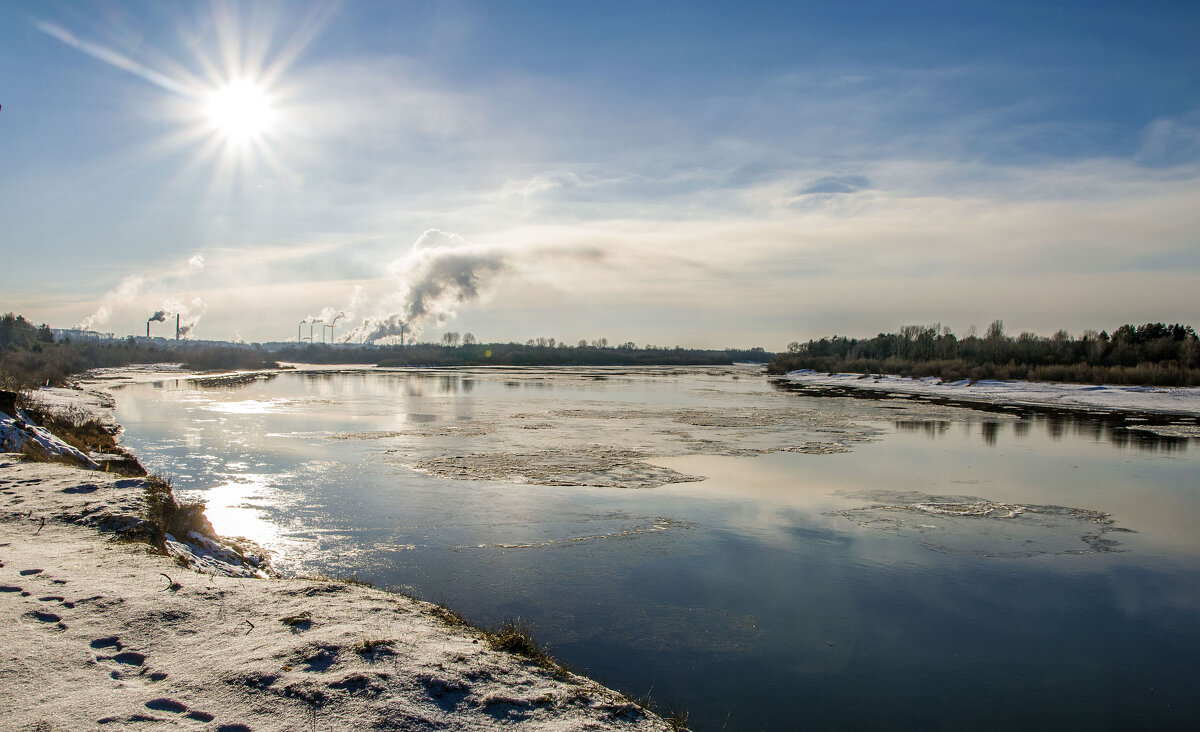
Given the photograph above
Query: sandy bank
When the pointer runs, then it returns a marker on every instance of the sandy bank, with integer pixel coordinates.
(102, 632)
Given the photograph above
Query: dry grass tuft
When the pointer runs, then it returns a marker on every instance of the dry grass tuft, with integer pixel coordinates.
(168, 516)
(515, 636)
(294, 621)
(368, 647)
(450, 617)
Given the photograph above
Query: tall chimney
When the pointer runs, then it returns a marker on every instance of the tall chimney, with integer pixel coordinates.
(177, 326)
(147, 328)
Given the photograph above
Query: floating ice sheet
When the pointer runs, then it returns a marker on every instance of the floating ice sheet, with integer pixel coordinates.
(981, 527)
(592, 465)
(610, 446)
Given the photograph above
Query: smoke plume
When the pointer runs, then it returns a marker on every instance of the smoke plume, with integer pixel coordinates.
(189, 314)
(133, 287)
(441, 272)
(125, 292)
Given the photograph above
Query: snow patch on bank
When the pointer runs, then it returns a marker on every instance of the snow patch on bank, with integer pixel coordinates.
(1166, 400)
(19, 432)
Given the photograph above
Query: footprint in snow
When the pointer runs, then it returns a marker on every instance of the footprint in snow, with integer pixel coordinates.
(59, 599)
(126, 662)
(164, 704)
(110, 641)
(43, 617)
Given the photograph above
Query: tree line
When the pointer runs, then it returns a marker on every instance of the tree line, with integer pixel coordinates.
(536, 352)
(30, 356)
(1153, 354)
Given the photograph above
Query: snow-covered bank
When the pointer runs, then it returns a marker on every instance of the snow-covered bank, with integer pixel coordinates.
(1148, 399)
(19, 431)
(102, 631)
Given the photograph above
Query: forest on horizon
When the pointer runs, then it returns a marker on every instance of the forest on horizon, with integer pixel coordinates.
(31, 357)
(1153, 354)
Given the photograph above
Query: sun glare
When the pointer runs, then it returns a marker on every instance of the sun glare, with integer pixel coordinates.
(240, 111)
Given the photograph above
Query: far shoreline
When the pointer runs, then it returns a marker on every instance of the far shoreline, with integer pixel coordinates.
(1149, 402)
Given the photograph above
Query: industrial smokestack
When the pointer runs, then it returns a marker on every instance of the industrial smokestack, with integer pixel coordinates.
(176, 326)
(147, 328)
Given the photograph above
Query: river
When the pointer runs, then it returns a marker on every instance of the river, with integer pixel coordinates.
(762, 557)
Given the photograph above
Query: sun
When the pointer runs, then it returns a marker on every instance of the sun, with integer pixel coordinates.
(240, 111)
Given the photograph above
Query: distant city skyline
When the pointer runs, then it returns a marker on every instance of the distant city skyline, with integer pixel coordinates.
(677, 173)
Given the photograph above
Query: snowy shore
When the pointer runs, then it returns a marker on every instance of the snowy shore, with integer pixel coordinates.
(105, 631)
(1144, 399)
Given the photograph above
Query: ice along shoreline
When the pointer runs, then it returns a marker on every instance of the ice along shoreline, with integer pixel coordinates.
(1147, 400)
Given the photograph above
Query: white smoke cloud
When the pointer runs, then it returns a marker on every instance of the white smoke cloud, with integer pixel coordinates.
(440, 272)
(189, 314)
(123, 294)
(135, 289)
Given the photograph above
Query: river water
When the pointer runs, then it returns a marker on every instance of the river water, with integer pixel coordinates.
(762, 557)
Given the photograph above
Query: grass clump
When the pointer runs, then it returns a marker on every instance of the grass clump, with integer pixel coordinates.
(166, 515)
(450, 617)
(676, 719)
(368, 647)
(303, 619)
(515, 636)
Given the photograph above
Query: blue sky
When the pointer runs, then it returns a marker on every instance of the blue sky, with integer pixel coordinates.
(703, 174)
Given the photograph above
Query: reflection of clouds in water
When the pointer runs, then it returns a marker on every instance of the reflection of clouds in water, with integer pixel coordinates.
(268, 406)
(659, 524)
(984, 528)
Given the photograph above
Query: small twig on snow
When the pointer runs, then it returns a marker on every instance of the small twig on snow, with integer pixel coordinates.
(251, 627)
(40, 527)
(173, 586)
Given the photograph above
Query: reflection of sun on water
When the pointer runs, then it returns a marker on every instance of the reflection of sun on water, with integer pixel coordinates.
(230, 507)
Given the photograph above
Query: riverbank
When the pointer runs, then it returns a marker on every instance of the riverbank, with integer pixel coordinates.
(1142, 399)
(106, 629)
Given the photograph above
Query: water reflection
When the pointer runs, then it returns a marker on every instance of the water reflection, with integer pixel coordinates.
(1057, 427)
(989, 430)
(931, 427)
(1148, 432)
